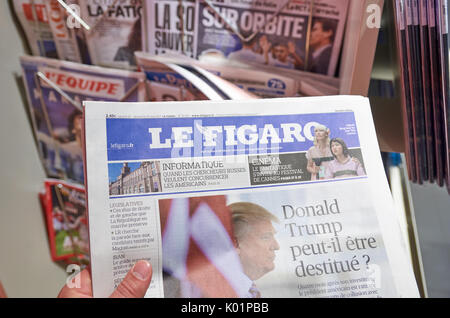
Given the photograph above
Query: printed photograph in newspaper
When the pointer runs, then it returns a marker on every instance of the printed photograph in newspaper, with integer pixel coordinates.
(312, 242)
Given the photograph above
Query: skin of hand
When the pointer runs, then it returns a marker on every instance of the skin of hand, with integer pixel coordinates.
(134, 285)
(312, 168)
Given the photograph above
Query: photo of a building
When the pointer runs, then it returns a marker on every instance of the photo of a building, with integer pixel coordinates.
(133, 178)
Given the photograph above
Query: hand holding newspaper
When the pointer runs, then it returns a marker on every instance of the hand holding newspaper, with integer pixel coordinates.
(255, 198)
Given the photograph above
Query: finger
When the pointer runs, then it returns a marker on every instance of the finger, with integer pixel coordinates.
(136, 283)
(80, 287)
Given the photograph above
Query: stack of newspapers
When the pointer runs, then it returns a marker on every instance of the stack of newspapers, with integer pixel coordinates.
(197, 135)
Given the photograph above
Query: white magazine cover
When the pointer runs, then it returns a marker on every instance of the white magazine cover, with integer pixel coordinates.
(279, 34)
(33, 17)
(256, 198)
(114, 33)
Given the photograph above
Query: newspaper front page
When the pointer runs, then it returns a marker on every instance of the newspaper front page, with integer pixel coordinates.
(33, 18)
(115, 31)
(293, 35)
(67, 39)
(258, 198)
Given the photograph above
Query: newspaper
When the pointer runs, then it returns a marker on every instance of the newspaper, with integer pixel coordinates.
(65, 38)
(33, 17)
(55, 91)
(162, 92)
(67, 31)
(64, 207)
(115, 31)
(195, 82)
(257, 198)
(260, 83)
(280, 34)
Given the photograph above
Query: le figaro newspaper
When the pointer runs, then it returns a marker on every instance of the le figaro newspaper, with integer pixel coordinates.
(257, 198)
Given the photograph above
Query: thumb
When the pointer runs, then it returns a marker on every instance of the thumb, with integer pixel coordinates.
(136, 283)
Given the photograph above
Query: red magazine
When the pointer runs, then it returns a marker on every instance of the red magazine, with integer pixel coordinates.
(64, 206)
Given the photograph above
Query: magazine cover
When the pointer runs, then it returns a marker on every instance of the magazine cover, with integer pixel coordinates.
(55, 90)
(115, 31)
(256, 198)
(33, 18)
(66, 218)
(300, 35)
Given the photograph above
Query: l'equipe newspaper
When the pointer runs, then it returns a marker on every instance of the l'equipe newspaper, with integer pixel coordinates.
(55, 90)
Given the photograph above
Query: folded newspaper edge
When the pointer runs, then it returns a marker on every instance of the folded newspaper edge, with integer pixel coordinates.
(330, 233)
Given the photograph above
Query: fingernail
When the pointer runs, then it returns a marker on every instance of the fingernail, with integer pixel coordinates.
(141, 270)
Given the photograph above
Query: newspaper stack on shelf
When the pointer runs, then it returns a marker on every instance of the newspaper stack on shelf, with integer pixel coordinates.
(55, 91)
(422, 33)
(261, 197)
